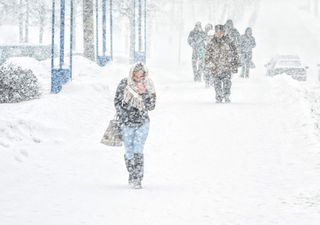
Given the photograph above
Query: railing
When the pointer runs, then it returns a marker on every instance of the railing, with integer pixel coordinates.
(39, 52)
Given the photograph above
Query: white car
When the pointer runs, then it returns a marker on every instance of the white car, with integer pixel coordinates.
(287, 64)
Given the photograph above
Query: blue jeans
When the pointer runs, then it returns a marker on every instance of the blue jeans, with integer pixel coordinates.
(134, 139)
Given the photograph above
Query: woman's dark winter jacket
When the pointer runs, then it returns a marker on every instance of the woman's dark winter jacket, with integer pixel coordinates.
(129, 115)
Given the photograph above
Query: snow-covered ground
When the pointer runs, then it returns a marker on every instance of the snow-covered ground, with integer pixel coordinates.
(254, 161)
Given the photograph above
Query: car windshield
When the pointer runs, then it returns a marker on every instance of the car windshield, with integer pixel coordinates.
(288, 64)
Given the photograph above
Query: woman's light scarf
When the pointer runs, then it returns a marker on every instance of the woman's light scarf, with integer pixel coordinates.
(131, 94)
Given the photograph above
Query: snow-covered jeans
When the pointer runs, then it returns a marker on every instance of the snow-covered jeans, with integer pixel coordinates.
(225, 80)
(134, 139)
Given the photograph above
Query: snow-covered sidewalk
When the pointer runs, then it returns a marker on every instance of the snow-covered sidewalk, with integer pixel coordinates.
(253, 161)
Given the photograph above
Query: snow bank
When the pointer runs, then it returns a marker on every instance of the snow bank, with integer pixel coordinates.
(54, 119)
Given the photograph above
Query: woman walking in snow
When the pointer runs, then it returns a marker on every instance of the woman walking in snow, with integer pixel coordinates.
(135, 96)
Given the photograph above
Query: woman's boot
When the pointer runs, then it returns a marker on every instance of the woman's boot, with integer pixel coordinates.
(138, 170)
(130, 168)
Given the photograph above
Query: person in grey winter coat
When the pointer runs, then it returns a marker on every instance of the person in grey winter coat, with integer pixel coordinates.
(135, 96)
(196, 40)
(223, 60)
(206, 73)
(233, 34)
(247, 43)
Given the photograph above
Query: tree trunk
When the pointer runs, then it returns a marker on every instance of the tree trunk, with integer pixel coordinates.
(132, 40)
(26, 31)
(42, 22)
(20, 22)
(88, 30)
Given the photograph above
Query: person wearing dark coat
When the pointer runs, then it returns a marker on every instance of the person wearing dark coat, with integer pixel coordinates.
(208, 29)
(232, 33)
(135, 96)
(247, 43)
(196, 40)
(222, 58)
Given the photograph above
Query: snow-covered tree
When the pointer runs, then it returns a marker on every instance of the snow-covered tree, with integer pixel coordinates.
(17, 84)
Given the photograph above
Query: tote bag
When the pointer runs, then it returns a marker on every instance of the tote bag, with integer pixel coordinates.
(112, 136)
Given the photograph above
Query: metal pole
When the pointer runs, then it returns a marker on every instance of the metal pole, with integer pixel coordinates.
(111, 41)
(97, 30)
(71, 37)
(134, 26)
(52, 35)
(104, 26)
(139, 26)
(145, 29)
(62, 23)
(74, 28)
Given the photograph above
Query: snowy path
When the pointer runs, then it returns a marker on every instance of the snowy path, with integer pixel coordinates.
(233, 164)
(206, 163)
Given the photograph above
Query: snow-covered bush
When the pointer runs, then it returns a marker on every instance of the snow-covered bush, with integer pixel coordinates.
(17, 84)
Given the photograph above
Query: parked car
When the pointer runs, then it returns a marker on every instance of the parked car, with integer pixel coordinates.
(287, 64)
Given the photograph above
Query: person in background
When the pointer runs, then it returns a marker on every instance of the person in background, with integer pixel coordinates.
(232, 33)
(223, 60)
(208, 29)
(247, 43)
(196, 40)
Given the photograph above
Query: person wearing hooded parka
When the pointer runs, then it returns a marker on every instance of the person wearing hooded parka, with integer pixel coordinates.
(233, 34)
(222, 60)
(247, 43)
(197, 39)
(135, 96)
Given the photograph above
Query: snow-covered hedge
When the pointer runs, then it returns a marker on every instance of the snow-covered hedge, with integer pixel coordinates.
(17, 84)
